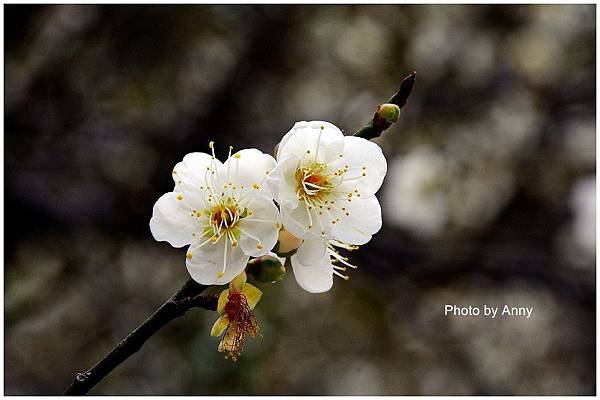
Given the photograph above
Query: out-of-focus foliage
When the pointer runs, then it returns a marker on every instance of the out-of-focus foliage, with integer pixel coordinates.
(490, 196)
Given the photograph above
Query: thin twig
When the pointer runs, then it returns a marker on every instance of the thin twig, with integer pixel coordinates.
(376, 126)
(189, 296)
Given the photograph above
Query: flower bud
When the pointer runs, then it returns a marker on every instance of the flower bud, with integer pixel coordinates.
(266, 269)
(287, 244)
(388, 112)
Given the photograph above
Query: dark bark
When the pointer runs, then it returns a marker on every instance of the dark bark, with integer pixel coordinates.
(189, 296)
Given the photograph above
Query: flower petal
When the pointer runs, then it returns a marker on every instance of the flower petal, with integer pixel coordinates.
(286, 137)
(219, 326)
(298, 222)
(360, 220)
(193, 178)
(362, 157)
(318, 141)
(314, 278)
(282, 182)
(259, 231)
(207, 262)
(249, 168)
(191, 171)
(171, 220)
(253, 295)
(311, 251)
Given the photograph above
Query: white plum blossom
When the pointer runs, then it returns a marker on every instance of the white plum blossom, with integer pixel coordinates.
(325, 185)
(224, 211)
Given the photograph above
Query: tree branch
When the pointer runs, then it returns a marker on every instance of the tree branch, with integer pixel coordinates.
(376, 126)
(189, 296)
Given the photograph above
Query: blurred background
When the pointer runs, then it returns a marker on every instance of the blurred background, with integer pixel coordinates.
(489, 197)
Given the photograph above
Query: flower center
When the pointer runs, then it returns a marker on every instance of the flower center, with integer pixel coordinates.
(312, 182)
(223, 219)
(224, 215)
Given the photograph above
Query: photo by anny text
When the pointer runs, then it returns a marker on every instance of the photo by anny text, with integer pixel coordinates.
(504, 311)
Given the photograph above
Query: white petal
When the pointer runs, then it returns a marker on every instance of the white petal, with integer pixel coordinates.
(282, 182)
(298, 223)
(190, 175)
(363, 221)
(263, 224)
(207, 263)
(316, 141)
(286, 137)
(359, 153)
(191, 171)
(311, 251)
(249, 167)
(299, 126)
(171, 221)
(314, 278)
